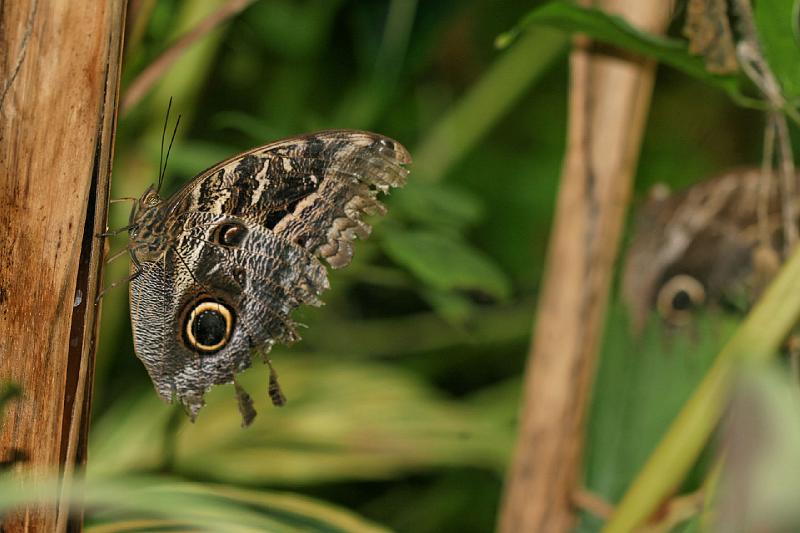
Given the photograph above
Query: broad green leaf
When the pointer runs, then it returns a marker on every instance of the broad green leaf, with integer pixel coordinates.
(183, 81)
(445, 262)
(613, 30)
(640, 386)
(440, 205)
(777, 31)
(452, 306)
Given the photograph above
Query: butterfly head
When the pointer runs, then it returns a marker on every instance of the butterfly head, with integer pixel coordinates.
(149, 198)
(145, 206)
(148, 225)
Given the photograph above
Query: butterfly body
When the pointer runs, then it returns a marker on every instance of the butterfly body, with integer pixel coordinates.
(218, 268)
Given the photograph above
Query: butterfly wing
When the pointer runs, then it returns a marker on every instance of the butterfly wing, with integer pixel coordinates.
(301, 185)
(246, 240)
(708, 232)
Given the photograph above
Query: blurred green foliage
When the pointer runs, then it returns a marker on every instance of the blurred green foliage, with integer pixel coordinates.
(404, 392)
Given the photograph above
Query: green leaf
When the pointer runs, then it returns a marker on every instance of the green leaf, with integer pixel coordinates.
(231, 507)
(455, 308)
(135, 503)
(615, 31)
(438, 205)
(777, 31)
(446, 262)
(641, 385)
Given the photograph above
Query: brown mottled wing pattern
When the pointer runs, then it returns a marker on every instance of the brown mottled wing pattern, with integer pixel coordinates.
(708, 232)
(311, 189)
(249, 235)
(709, 31)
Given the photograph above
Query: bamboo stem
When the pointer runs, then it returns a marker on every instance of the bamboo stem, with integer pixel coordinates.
(608, 102)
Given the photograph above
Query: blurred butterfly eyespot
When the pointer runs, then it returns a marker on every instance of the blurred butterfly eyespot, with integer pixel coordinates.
(678, 298)
(208, 327)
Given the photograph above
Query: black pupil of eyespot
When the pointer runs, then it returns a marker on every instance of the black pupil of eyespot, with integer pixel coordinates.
(681, 301)
(209, 327)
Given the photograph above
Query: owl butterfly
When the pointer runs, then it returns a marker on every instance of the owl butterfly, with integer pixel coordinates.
(218, 268)
(702, 246)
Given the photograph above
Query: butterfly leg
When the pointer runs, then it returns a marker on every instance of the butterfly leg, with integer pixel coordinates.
(118, 255)
(275, 392)
(245, 404)
(139, 271)
(115, 232)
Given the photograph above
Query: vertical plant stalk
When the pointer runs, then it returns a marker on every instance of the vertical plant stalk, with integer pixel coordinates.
(55, 160)
(608, 102)
(758, 70)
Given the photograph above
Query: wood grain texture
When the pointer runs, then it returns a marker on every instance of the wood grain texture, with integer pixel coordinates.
(59, 72)
(608, 103)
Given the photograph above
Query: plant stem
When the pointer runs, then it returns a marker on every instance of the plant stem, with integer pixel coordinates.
(608, 103)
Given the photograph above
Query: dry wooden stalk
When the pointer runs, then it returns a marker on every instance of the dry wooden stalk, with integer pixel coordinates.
(59, 75)
(608, 102)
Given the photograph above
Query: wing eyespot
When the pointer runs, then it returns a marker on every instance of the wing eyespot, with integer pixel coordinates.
(230, 234)
(208, 326)
(678, 298)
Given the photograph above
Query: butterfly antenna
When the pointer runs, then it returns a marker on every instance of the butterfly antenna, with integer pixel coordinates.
(169, 148)
(162, 169)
